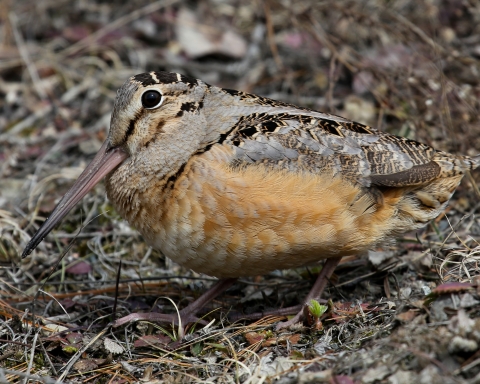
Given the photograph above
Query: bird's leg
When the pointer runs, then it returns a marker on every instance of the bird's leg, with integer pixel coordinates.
(316, 291)
(186, 315)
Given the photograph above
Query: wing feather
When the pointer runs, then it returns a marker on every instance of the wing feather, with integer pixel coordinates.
(315, 142)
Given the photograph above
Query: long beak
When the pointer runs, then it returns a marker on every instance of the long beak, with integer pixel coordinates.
(105, 161)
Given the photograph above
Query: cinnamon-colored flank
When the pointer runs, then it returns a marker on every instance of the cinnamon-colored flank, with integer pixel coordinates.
(232, 184)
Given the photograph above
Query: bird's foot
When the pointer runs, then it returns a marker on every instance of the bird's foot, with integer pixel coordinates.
(181, 319)
(184, 317)
(294, 320)
(310, 315)
(315, 292)
(281, 312)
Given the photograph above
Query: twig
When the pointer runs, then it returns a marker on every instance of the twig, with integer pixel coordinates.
(8, 354)
(36, 378)
(48, 358)
(90, 39)
(22, 49)
(320, 34)
(117, 286)
(271, 36)
(418, 31)
(12, 342)
(474, 184)
(25, 123)
(32, 355)
(331, 84)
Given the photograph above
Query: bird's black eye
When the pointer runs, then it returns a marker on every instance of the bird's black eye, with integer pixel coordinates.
(151, 99)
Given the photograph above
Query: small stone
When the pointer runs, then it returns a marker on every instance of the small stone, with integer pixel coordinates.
(460, 344)
(315, 377)
(430, 375)
(89, 147)
(405, 292)
(379, 257)
(468, 301)
(374, 375)
(426, 290)
(401, 377)
(461, 324)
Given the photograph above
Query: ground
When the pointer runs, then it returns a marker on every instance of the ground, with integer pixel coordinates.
(405, 313)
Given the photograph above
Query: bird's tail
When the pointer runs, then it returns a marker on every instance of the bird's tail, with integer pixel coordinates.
(474, 161)
(451, 165)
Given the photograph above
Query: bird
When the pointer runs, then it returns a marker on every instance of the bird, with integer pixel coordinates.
(231, 184)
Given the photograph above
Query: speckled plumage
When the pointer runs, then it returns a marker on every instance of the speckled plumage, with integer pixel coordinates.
(232, 184)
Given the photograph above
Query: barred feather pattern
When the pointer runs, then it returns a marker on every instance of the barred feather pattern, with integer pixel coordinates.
(233, 184)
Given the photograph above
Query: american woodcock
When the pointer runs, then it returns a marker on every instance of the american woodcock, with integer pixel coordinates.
(232, 184)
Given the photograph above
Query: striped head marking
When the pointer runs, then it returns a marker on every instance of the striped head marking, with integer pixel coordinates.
(153, 105)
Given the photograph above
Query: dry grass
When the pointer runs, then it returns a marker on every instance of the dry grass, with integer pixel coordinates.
(408, 67)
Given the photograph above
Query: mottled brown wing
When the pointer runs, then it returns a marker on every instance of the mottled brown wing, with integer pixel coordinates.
(358, 152)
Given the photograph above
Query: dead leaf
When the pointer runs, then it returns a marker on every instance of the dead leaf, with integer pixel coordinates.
(282, 340)
(253, 337)
(85, 365)
(407, 316)
(152, 340)
(90, 364)
(197, 39)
